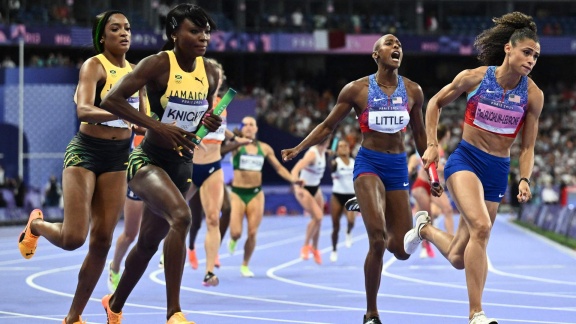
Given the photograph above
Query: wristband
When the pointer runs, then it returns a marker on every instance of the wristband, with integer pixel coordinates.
(233, 138)
(524, 179)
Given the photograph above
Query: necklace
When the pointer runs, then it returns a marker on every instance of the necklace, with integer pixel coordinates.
(384, 85)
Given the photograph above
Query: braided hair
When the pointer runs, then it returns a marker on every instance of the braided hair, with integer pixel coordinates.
(98, 28)
(192, 12)
(511, 27)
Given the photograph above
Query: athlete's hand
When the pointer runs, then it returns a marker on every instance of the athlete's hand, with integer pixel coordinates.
(211, 121)
(298, 182)
(524, 193)
(176, 137)
(437, 191)
(430, 156)
(242, 140)
(289, 154)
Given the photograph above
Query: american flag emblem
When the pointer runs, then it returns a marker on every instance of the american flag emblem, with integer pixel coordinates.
(514, 98)
(397, 100)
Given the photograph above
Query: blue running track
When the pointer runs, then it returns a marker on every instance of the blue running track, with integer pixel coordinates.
(531, 280)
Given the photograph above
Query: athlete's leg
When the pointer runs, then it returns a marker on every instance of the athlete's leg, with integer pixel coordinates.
(225, 215)
(236, 216)
(310, 205)
(398, 221)
(372, 201)
(336, 210)
(195, 204)
(166, 216)
(78, 185)
(254, 214)
(319, 199)
(132, 220)
(443, 202)
(107, 203)
(211, 193)
(467, 249)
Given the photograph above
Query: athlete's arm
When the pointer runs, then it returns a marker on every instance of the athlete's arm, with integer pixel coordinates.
(465, 81)
(280, 169)
(344, 103)
(305, 161)
(416, 96)
(152, 72)
(92, 73)
(529, 133)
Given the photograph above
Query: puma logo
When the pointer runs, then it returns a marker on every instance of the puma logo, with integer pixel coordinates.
(201, 81)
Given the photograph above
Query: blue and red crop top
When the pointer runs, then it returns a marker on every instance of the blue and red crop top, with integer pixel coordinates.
(495, 110)
(383, 113)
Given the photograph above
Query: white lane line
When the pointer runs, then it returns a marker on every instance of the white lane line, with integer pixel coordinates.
(493, 269)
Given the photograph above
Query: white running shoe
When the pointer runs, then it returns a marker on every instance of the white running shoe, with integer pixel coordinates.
(348, 240)
(412, 238)
(333, 256)
(480, 318)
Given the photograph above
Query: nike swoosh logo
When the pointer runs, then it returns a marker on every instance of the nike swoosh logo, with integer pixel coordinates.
(211, 170)
(406, 184)
(27, 254)
(378, 99)
(500, 195)
(491, 91)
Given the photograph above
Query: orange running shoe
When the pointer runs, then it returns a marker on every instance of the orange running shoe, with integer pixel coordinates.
(80, 321)
(27, 242)
(317, 256)
(305, 251)
(112, 318)
(193, 259)
(217, 261)
(178, 318)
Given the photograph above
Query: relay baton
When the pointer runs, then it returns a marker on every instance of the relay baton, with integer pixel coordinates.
(433, 174)
(334, 144)
(220, 107)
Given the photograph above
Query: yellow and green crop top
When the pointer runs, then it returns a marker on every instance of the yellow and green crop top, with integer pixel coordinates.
(113, 75)
(185, 99)
(248, 162)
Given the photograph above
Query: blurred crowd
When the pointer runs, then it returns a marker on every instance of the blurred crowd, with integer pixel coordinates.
(296, 17)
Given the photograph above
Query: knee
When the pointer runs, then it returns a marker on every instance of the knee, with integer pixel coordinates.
(212, 220)
(402, 256)
(335, 227)
(235, 234)
(457, 261)
(252, 234)
(100, 245)
(480, 231)
(129, 237)
(181, 218)
(397, 248)
(377, 242)
(72, 242)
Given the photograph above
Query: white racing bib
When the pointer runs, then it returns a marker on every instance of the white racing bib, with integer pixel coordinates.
(388, 121)
(498, 117)
(119, 123)
(185, 112)
(251, 162)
